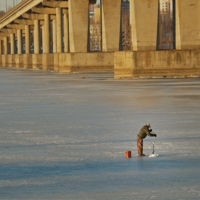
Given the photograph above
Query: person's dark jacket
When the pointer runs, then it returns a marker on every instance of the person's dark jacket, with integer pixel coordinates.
(144, 132)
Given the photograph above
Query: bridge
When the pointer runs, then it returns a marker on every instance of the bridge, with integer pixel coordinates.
(57, 35)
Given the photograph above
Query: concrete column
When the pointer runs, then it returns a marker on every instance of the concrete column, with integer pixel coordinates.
(59, 29)
(12, 43)
(54, 37)
(19, 41)
(66, 33)
(5, 45)
(78, 25)
(178, 31)
(0, 46)
(145, 20)
(46, 33)
(36, 37)
(111, 11)
(43, 37)
(133, 26)
(27, 38)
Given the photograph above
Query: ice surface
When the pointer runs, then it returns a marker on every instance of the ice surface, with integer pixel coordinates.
(64, 136)
(153, 155)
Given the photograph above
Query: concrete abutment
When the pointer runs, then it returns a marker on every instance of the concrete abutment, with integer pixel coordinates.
(166, 63)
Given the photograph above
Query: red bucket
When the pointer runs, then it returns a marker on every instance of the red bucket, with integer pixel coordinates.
(127, 154)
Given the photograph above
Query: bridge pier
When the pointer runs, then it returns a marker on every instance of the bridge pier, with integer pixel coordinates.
(56, 62)
(78, 25)
(37, 61)
(94, 61)
(12, 43)
(27, 59)
(4, 60)
(46, 30)
(27, 38)
(19, 60)
(47, 61)
(36, 37)
(144, 24)
(111, 11)
(59, 30)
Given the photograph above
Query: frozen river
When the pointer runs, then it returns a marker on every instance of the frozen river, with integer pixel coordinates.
(64, 137)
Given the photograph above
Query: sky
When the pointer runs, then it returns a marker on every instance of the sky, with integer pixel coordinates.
(9, 3)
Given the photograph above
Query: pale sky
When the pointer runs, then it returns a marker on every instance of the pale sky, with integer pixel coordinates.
(9, 3)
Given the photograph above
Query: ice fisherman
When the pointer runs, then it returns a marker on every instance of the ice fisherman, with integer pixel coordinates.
(141, 135)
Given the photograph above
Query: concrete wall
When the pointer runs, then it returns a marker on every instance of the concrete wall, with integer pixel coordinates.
(19, 61)
(111, 10)
(47, 61)
(70, 62)
(27, 61)
(56, 62)
(37, 61)
(156, 63)
(10, 61)
(4, 60)
(78, 25)
(144, 23)
(189, 14)
(63, 62)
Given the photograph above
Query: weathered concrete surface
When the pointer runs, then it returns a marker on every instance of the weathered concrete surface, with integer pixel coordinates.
(10, 61)
(37, 61)
(189, 24)
(4, 60)
(96, 61)
(27, 60)
(47, 61)
(144, 22)
(111, 11)
(156, 63)
(56, 62)
(78, 25)
(19, 61)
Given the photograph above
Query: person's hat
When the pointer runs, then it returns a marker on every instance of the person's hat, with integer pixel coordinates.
(148, 125)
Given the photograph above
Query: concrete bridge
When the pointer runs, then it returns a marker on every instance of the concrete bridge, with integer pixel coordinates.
(59, 32)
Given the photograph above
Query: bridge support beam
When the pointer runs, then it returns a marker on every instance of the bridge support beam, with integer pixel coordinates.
(163, 63)
(187, 24)
(19, 41)
(27, 38)
(12, 43)
(0, 46)
(37, 61)
(78, 25)
(19, 60)
(144, 23)
(59, 29)
(5, 55)
(36, 37)
(27, 58)
(111, 10)
(66, 33)
(54, 37)
(46, 34)
(5, 45)
(0, 53)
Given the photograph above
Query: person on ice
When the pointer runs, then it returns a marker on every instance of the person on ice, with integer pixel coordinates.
(141, 135)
